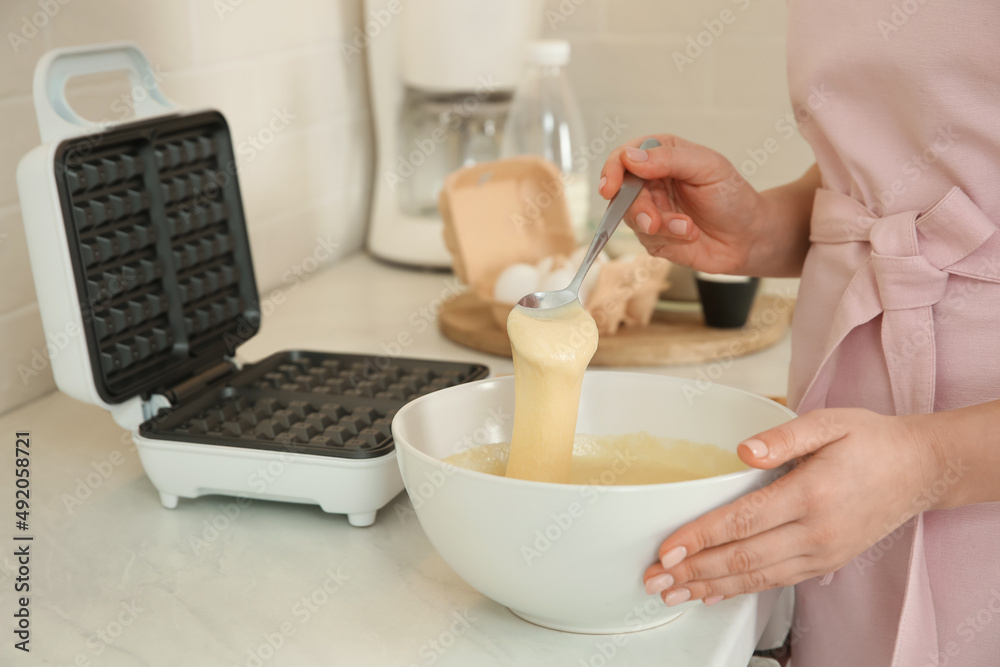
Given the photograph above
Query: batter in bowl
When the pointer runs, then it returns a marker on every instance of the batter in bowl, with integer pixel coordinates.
(617, 460)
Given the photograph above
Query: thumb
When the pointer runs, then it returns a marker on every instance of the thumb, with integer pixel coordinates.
(798, 437)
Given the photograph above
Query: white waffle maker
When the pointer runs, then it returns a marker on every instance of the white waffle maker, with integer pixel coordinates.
(141, 260)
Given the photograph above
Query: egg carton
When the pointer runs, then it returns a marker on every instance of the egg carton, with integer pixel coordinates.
(507, 226)
(142, 264)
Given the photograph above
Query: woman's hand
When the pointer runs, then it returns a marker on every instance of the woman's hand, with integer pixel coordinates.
(859, 476)
(697, 210)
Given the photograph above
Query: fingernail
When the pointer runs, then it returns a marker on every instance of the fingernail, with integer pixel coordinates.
(673, 557)
(756, 447)
(676, 596)
(604, 180)
(712, 600)
(644, 221)
(636, 154)
(678, 226)
(659, 583)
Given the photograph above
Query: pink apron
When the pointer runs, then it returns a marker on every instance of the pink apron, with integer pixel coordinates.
(899, 308)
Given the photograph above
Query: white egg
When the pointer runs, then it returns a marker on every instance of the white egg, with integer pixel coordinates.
(515, 281)
(557, 280)
(545, 266)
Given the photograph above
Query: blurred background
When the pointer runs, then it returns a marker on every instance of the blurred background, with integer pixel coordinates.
(297, 98)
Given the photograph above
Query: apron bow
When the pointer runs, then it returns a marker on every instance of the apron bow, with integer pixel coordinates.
(905, 275)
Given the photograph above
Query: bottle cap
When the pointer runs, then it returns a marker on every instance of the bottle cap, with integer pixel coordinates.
(549, 52)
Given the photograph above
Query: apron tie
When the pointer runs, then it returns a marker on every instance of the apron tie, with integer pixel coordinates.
(912, 254)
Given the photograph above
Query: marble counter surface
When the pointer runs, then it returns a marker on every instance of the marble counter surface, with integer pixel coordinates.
(117, 580)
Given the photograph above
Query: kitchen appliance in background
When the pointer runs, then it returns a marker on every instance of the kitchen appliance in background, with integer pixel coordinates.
(545, 120)
(442, 75)
(142, 266)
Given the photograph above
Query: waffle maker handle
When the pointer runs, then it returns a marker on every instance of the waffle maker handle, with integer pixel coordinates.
(56, 118)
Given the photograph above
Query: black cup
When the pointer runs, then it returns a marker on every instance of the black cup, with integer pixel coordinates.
(725, 303)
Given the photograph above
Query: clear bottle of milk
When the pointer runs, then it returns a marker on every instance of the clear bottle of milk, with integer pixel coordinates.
(545, 120)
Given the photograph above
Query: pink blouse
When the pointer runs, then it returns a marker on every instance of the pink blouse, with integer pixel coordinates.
(899, 308)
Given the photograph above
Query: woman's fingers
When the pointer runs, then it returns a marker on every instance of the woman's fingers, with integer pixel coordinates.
(653, 213)
(778, 503)
(732, 535)
(787, 542)
(785, 573)
(643, 216)
(744, 567)
(769, 548)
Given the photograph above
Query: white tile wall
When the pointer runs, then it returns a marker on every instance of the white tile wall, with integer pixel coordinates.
(307, 190)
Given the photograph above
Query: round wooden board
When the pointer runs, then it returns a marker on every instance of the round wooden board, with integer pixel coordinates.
(671, 338)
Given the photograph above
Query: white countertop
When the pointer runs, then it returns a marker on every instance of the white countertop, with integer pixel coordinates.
(117, 580)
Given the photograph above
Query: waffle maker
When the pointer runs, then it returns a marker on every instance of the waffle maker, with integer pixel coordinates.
(142, 265)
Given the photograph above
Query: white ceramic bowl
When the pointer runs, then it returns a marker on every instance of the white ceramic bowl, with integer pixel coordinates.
(563, 556)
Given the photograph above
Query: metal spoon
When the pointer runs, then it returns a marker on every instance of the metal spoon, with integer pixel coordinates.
(538, 303)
